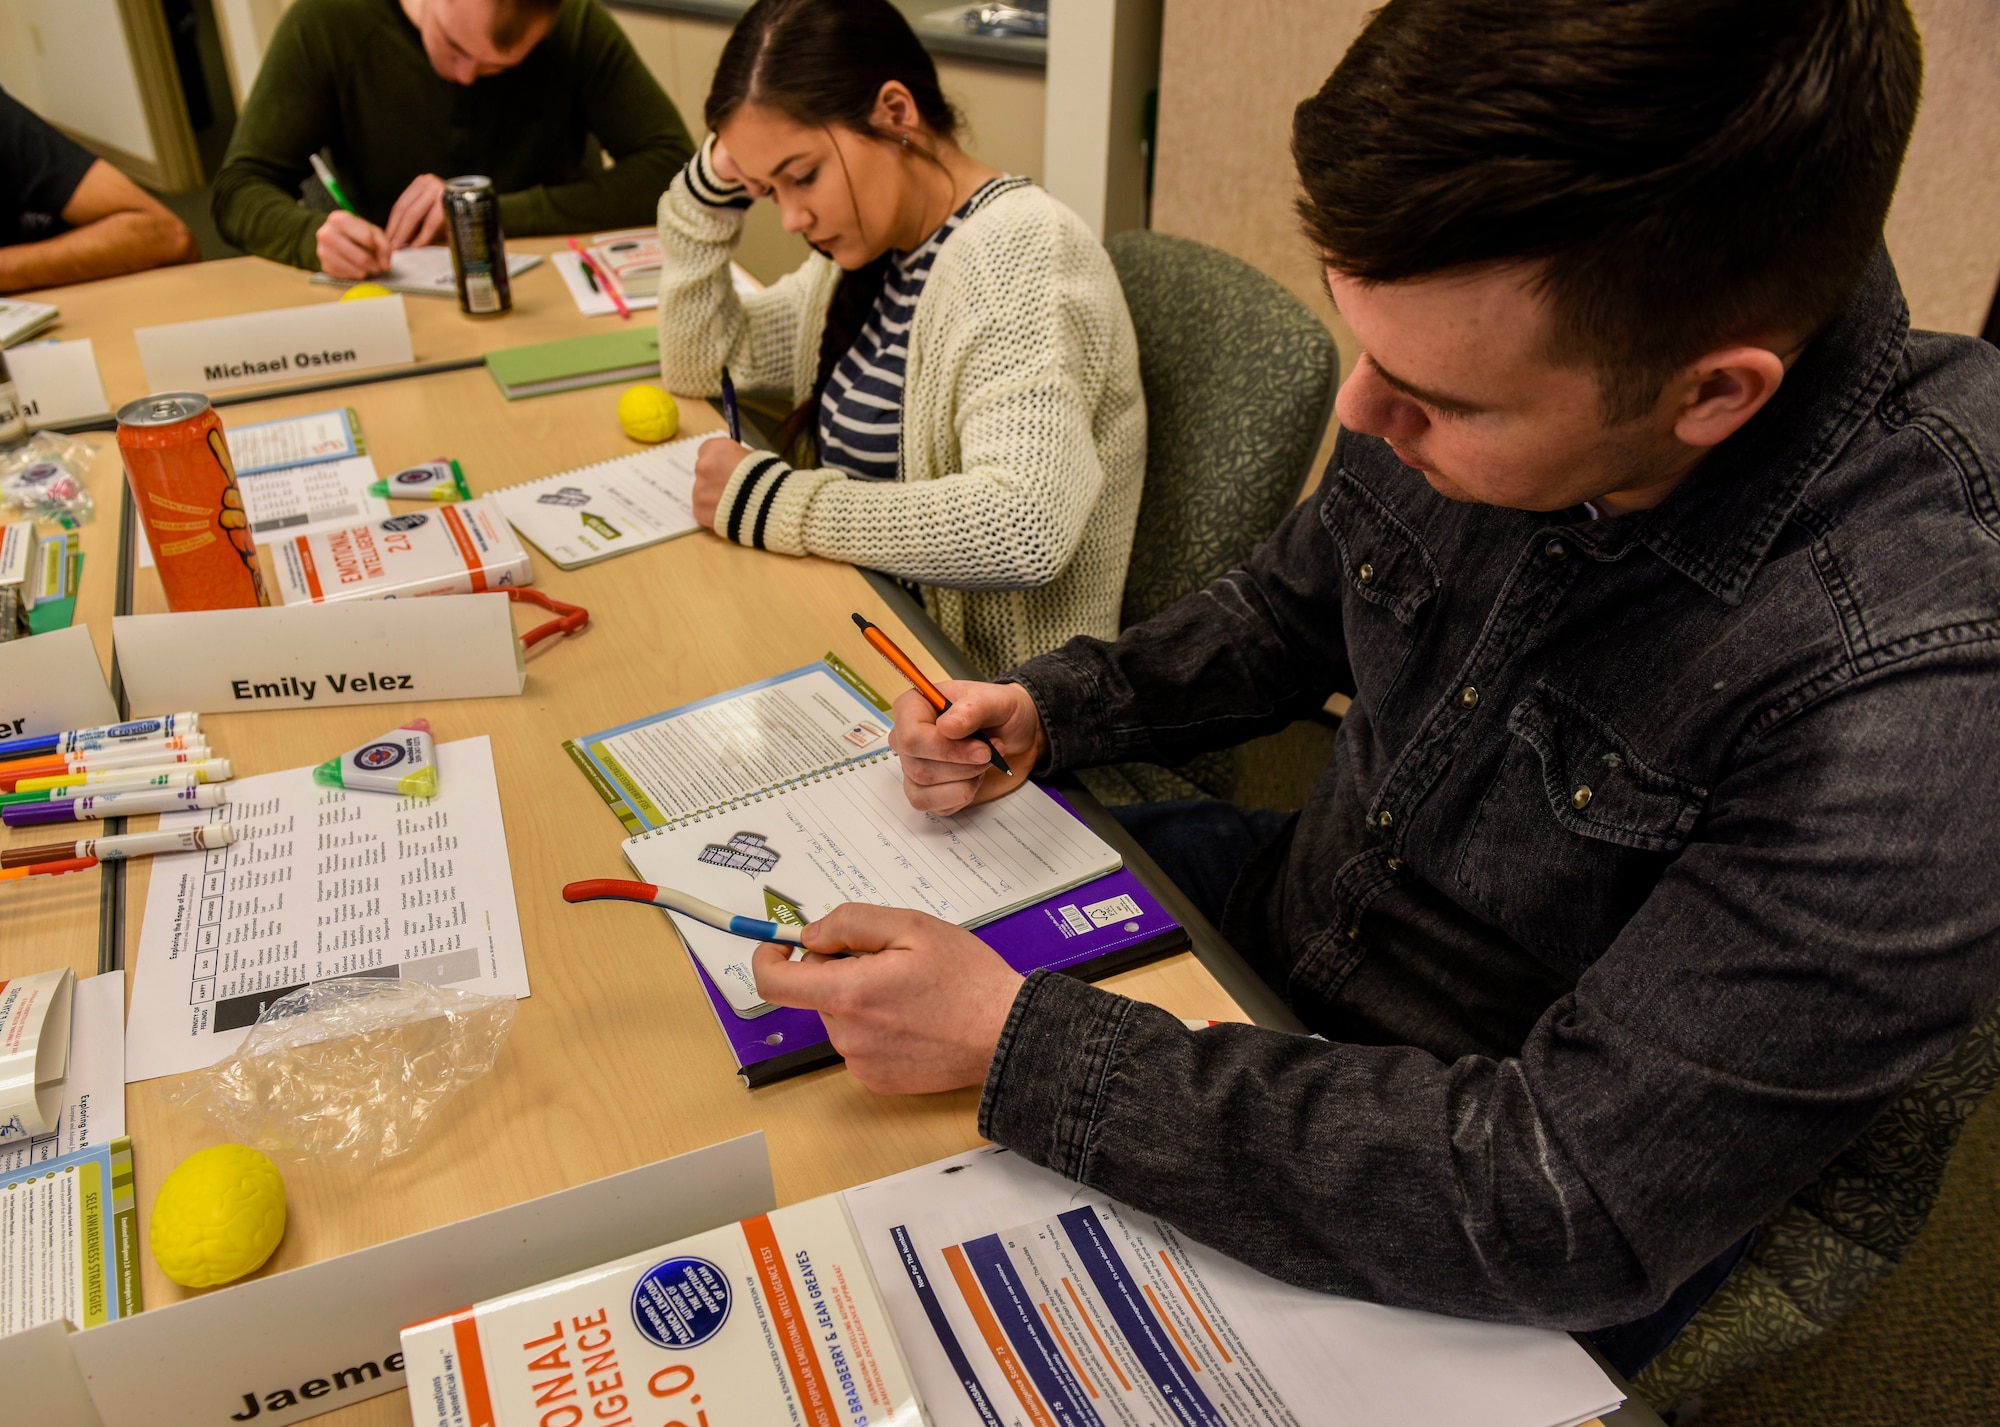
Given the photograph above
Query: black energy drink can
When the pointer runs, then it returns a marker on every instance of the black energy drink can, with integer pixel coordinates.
(478, 252)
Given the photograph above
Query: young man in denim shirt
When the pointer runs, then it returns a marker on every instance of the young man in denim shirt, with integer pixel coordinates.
(1662, 561)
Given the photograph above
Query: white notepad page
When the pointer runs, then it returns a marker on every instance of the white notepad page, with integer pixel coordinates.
(629, 502)
(851, 836)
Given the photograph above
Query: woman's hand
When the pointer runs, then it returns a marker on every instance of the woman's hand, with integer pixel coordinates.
(714, 464)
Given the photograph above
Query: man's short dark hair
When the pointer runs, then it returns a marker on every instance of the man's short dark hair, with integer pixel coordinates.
(511, 19)
(1686, 171)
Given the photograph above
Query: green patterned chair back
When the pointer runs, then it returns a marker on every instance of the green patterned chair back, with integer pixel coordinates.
(1239, 377)
(1836, 1238)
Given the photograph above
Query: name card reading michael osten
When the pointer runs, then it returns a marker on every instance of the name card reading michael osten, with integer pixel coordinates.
(291, 344)
(309, 656)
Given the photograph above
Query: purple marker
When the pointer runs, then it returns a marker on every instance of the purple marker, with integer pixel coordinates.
(115, 805)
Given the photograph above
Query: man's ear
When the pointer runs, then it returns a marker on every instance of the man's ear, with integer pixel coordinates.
(1721, 391)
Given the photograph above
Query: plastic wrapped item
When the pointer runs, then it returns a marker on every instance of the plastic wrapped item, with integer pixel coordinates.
(43, 479)
(350, 1070)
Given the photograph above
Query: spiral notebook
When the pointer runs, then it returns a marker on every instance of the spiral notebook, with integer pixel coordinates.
(579, 517)
(782, 800)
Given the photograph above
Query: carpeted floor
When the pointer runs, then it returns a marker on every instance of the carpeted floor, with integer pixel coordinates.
(1922, 1351)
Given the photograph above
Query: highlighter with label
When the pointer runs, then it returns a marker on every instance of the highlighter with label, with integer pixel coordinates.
(401, 761)
(432, 480)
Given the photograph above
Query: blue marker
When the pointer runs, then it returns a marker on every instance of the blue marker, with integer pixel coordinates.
(85, 739)
(729, 409)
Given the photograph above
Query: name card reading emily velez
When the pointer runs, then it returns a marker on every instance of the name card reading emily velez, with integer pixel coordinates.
(309, 656)
(270, 348)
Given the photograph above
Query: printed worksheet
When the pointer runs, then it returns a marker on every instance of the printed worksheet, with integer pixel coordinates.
(1021, 1299)
(300, 500)
(704, 756)
(849, 835)
(292, 441)
(93, 1108)
(322, 882)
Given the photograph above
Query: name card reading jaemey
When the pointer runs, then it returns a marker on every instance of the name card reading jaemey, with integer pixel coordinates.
(310, 656)
(271, 348)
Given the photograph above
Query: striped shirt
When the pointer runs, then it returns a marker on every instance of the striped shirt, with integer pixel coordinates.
(861, 410)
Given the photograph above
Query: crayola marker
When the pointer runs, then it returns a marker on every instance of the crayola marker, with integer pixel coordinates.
(115, 805)
(117, 780)
(430, 480)
(77, 740)
(403, 761)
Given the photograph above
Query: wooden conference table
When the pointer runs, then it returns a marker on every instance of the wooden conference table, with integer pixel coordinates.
(615, 1060)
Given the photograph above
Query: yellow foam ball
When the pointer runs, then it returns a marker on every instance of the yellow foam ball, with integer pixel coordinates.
(648, 414)
(218, 1216)
(365, 289)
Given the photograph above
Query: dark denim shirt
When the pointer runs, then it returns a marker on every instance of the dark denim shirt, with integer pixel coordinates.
(1656, 855)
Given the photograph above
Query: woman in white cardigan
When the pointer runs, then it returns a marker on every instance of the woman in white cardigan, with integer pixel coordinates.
(968, 410)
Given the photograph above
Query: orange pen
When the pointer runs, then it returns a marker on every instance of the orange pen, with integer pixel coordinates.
(47, 869)
(933, 695)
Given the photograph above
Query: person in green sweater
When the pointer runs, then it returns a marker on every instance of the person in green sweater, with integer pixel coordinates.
(399, 94)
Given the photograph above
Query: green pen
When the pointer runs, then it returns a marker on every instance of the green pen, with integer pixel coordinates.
(332, 184)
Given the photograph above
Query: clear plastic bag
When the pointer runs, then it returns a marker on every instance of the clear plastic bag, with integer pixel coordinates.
(350, 1070)
(43, 479)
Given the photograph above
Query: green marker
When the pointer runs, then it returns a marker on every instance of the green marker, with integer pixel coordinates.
(332, 184)
(432, 480)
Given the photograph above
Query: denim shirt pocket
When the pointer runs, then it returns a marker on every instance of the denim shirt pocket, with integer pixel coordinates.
(1574, 831)
(1382, 560)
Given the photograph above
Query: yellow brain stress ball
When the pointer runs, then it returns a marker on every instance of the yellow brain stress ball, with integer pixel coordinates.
(365, 289)
(218, 1216)
(648, 414)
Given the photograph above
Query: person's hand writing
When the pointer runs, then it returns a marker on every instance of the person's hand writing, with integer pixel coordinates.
(418, 216)
(714, 464)
(944, 768)
(351, 247)
(918, 1005)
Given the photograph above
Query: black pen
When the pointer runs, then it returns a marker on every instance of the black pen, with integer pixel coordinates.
(729, 411)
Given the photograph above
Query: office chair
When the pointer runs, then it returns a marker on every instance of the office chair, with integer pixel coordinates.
(1836, 1238)
(1239, 378)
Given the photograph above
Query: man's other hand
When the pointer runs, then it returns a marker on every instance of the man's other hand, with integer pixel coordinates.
(945, 769)
(918, 1005)
(351, 247)
(418, 217)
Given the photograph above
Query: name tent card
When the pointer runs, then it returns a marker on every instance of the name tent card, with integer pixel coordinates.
(309, 656)
(58, 382)
(52, 682)
(290, 344)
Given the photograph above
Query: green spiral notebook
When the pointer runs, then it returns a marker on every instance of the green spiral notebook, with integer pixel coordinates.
(629, 354)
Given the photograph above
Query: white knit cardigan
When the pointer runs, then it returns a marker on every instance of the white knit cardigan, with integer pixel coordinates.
(1024, 426)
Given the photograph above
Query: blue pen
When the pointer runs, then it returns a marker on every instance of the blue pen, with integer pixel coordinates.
(85, 739)
(707, 913)
(729, 411)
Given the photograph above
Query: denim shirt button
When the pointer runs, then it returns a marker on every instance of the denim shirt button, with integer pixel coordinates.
(1580, 799)
(1395, 864)
(1555, 550)
(1469, 697)
(1366, 574)
(1382, 819)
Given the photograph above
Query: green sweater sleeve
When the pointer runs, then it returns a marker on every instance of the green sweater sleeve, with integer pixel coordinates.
(292, 112)
(635, 123)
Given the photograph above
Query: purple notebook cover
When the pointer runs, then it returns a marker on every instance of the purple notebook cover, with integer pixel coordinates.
(786, 1042)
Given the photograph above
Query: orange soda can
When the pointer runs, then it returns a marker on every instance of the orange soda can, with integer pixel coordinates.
(184, 486)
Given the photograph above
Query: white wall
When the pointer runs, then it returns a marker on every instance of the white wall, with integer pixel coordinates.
(67, 60)
(1104, 55)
